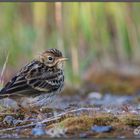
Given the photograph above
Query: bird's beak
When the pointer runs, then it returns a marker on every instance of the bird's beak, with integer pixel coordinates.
(63, 59)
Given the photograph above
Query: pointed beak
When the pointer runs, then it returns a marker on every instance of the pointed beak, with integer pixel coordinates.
(63, 59)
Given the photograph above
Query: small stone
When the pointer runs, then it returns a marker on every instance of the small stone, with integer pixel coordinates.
(57, 132)
(38, 130)
(101, 129)
(9, 120)
(83, 135)
(16, 122)
(95, 95)
(121, 137)
(138, 107)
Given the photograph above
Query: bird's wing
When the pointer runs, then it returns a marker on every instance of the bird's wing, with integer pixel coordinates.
(18, 83)
(32, 78)
(43, 79)
(13, 86)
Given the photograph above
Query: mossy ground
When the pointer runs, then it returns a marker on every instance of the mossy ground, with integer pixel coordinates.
(122, 118)
(122, 125)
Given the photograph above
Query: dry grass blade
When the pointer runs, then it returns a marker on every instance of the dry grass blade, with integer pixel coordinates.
(3, 69)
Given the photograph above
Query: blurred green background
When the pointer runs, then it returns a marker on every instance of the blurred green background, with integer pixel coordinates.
(95, 36)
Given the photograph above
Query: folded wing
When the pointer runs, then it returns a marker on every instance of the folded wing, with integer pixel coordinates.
(33, 79)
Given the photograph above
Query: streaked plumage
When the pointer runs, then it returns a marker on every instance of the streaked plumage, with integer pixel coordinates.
(40, 79)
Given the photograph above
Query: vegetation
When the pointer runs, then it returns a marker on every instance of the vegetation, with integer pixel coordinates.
(105, 35)
(102, 76)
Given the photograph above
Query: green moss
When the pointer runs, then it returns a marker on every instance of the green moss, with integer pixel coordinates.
(105, 119)
(78, 123)
(131, 120)
(118, 87)
(83, 123)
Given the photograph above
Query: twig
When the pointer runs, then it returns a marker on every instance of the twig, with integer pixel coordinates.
(54, 118)
(29, 125)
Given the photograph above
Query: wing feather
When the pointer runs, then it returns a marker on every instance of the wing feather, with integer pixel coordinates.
(33, 77)
(18, 83)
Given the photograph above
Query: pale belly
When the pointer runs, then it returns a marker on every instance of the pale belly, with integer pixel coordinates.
(41, 100)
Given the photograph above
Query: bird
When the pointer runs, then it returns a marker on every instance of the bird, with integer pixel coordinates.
(36, 83)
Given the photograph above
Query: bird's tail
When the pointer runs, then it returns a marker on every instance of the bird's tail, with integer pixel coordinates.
(2, 95)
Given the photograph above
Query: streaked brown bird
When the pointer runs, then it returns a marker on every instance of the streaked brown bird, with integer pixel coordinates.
(37, 82)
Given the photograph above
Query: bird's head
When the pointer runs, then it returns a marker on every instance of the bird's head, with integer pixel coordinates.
(52, 57)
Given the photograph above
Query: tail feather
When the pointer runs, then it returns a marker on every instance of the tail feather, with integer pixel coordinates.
(2, 96)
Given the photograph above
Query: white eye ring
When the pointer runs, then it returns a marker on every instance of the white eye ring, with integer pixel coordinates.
(50, 58)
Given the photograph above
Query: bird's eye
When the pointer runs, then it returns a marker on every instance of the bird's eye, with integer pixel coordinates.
(50, 58)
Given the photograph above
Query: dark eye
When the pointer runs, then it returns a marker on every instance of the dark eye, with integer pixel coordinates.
(50, 58)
